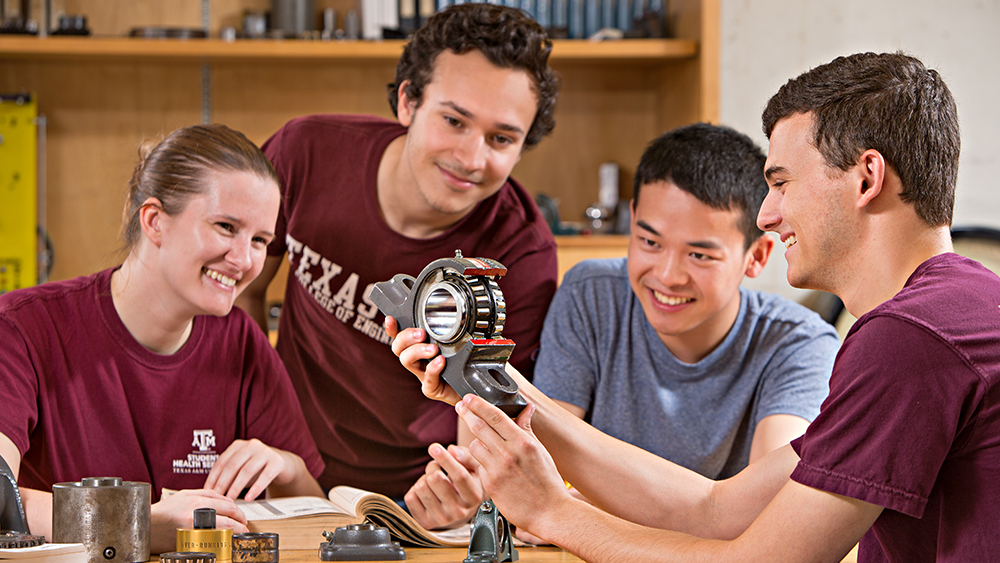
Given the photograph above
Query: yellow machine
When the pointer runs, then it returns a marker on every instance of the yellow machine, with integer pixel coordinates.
(18, 192)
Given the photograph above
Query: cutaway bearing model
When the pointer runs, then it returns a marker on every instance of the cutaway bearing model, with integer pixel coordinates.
(458, 302)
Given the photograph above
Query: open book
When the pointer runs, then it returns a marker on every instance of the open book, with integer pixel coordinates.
(301, 521)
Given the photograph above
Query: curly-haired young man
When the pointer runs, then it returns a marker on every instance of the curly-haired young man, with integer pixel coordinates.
(365, 198)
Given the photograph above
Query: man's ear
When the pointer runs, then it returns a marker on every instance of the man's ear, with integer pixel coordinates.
(151, 220)
(404, 105)
(758, 254)
(871, 176)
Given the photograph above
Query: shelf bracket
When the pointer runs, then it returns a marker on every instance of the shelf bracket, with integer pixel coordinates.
(206, 93)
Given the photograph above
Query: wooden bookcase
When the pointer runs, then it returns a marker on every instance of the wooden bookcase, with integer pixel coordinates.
(102, 95)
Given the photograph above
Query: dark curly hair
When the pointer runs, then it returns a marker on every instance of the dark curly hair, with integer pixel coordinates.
(888, 102)
(505, 36)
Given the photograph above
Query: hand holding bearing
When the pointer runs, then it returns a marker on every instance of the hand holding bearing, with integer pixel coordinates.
(458, 302)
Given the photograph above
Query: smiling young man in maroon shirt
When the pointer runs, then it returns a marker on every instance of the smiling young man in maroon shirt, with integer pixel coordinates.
(365, 198)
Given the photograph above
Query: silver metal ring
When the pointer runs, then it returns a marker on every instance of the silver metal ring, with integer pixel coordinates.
(443, 311)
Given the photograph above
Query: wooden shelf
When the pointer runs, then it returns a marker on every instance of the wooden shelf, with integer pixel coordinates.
(57, 48)
(103, 95)
(574, 249)
(592, 241)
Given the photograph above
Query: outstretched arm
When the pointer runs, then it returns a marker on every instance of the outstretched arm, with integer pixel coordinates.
(774, 432)
(798, 524)
(617, 477)
(450, 490)
(653, 509)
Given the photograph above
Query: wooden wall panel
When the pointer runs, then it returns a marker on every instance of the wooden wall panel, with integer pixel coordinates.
(604, 114)
(97, 114)
(259, 98)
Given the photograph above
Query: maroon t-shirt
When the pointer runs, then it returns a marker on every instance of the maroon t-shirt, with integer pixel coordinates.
(370, 420)
(81, 398)
(912, 422)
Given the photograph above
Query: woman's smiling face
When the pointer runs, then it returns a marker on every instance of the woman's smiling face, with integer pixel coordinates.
(213, 248)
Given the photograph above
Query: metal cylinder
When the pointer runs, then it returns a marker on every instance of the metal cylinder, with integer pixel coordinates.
(255, 547)
(293, 16)
(110, 517)
(217, 541)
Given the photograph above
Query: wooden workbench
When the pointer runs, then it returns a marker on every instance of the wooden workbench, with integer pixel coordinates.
(442, 555)
(445, 555)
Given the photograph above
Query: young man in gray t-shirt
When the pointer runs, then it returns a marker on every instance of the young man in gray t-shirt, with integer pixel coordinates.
(665, 350)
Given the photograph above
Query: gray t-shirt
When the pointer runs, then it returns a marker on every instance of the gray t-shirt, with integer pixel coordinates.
(599, 352)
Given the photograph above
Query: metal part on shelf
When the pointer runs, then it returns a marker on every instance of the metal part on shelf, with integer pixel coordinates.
(460, 305)
(72, 24)
(293, 18)
(360, 542)
(158, 32)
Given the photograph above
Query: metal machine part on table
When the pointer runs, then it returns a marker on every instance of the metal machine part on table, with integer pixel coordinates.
(204, 536)
(110, 517)
(11, 510)
(13, 525)
(17, 540)
(490, 541)
(360, 542)
(255, 547)
(458, 302)
(187, 557)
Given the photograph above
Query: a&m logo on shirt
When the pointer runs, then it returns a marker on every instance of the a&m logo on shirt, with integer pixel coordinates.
(202, 458)
(204, 440)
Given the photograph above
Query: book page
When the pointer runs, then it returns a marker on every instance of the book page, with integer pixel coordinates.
(348, 498)
(288, 507)
(383, 511)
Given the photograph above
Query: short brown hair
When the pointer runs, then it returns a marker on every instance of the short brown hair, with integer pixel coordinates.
(888, 102)
(505, 36)
(177, 167)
